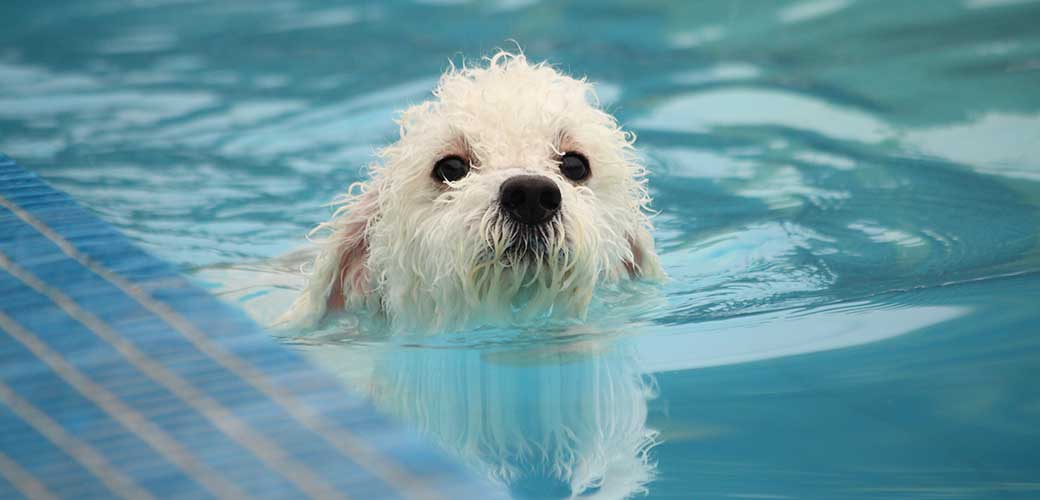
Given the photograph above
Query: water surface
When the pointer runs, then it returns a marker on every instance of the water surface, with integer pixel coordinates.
(849, 197)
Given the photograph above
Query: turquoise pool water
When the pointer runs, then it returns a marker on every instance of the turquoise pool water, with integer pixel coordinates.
(850, 212)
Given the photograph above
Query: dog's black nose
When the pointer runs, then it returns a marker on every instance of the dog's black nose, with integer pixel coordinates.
(531, 199)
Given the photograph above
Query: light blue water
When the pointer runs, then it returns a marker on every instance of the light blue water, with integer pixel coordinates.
(850, 211)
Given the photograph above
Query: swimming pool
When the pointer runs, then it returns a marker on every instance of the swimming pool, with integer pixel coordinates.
(850, 212)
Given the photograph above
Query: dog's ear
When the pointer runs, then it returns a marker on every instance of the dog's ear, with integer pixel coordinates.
(644, 263)
(340, 275)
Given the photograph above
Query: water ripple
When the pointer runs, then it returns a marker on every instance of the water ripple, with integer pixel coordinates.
(849, 198)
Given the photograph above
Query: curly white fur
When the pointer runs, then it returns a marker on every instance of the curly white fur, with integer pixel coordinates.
(433, 255)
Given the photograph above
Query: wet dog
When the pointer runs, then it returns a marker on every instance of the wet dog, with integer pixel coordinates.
(509, 196)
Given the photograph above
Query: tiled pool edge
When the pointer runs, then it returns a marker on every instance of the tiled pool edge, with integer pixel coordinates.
(119, 377)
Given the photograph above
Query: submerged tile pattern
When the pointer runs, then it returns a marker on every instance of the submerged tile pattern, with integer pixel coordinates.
(118, 377)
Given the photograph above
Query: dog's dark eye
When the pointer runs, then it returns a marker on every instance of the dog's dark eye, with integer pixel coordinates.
(450, 168)
(574, 166)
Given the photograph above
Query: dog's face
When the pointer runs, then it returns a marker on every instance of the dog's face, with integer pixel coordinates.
(511, 195)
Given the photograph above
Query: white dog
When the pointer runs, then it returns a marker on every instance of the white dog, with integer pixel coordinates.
(509, 196)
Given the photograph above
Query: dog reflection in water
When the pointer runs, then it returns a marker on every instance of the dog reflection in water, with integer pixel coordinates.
(548, 421)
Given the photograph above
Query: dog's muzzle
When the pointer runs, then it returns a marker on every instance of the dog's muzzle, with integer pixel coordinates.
(530, 199)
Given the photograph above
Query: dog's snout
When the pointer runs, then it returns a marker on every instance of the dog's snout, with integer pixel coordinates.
(530, 199)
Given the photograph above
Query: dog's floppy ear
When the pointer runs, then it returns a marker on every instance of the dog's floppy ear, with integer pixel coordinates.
(340, 275)
(644, 262)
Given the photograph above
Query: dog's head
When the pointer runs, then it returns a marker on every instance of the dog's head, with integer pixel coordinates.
(509, 195)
